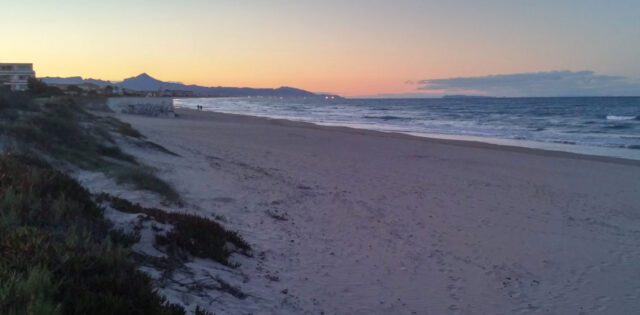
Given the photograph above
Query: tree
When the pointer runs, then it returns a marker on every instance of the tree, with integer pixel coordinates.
(36, 87)
(74, 88)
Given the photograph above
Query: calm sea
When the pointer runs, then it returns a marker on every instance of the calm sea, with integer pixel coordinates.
(608, 126)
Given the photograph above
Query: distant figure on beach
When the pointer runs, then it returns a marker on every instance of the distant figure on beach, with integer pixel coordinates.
(199, 107)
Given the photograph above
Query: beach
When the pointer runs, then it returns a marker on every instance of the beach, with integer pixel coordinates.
(349, 221)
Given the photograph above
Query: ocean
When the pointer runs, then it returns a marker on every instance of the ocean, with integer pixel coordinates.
(605, 126)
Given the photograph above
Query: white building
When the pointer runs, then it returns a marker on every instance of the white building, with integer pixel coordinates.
(16, 75)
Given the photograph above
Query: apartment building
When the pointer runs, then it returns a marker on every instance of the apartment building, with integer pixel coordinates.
(16, 75)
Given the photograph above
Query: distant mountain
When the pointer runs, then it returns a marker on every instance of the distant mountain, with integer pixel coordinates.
(75, 80)
(145, 82)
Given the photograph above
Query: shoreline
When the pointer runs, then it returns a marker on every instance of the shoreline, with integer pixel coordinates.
(431, 138)
(583, 133)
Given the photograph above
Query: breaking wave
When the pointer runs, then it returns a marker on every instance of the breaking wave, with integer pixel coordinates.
(615, 117)
(387, 117)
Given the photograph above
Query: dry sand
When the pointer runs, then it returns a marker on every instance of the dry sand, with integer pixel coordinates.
(346, 221)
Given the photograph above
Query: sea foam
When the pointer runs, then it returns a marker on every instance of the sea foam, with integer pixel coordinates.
(615, 117)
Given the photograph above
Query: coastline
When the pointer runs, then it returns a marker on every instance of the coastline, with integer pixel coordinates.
(352, 221)
(468, 141)
(590, 134)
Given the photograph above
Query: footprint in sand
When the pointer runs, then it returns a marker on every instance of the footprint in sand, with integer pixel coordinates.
(454, 309)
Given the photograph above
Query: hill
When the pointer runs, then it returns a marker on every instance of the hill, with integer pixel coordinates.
(145, 82)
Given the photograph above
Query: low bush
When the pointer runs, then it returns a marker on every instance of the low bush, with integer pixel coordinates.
(57, 255)
(144, 179)
(64, 131)
(155, 146)
(119, 126)
(15, 100)
(191, 234)
(127, 130)
(40, 89)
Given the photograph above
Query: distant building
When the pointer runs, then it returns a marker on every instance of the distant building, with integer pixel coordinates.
(77, 89)
(176, 93)
(16, 75)
(85, 89)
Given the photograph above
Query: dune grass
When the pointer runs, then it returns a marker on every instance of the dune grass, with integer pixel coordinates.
(191, 234)
(64, 131)
(57, 252)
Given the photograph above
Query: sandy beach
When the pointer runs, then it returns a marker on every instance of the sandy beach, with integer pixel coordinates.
(347, 221)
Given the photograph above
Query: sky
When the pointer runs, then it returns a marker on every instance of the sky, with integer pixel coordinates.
(352, 48)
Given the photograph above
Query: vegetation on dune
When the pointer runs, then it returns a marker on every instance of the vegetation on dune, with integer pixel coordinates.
(191, 234)
(127, 130)
(200, 311)
(57, 254)
(40, 89)
(144, 179)
(121, 127)
(64, 131)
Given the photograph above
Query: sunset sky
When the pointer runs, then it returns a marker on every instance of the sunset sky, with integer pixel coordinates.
(352, 48)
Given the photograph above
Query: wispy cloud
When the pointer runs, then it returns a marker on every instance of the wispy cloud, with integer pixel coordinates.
(553, 83)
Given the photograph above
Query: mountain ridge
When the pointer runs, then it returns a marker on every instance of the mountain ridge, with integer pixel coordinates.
(145, 82)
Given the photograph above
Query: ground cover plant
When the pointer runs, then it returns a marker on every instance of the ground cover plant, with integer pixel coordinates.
(192, 235)
(62, 130)
(57, 252)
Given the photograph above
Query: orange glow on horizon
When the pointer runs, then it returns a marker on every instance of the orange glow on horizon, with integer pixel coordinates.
(356, 78)
(350, 48)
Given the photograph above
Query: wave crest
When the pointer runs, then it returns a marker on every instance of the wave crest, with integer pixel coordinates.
(616, 117)
(387, 117)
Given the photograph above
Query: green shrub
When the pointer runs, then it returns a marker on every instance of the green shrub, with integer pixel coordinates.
(16, 100)
(144, 179)
(200, 311)
(64, 131)
(30, 293)
(127, 130)
(57, 253)
(191, 234)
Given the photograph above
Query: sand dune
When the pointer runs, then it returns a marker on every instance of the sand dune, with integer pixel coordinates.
(347, 221)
